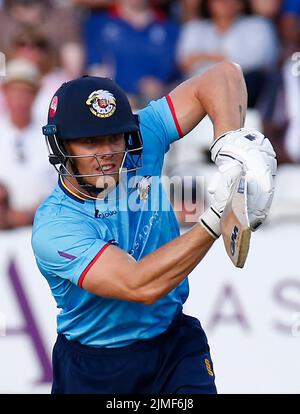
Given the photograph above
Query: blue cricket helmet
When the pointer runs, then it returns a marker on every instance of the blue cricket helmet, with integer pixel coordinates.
(89, 107)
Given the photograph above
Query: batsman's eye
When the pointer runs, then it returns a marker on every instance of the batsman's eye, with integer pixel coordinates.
(116, 139)
(88, 141)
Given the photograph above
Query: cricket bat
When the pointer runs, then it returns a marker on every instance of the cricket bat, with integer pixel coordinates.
(235, 228)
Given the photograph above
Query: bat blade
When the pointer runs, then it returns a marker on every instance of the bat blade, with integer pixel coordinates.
(235, 226)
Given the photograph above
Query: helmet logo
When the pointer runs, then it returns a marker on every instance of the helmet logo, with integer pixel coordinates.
(102, 103)
(53, 106)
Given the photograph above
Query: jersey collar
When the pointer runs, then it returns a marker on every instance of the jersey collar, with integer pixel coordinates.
(69, 192)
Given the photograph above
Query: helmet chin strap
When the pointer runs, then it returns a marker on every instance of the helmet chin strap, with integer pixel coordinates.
(92, 190)
(89, 188)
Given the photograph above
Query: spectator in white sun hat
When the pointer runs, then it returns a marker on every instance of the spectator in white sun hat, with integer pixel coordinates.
(23, 177)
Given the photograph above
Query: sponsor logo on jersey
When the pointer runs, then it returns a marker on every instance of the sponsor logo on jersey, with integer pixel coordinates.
(144, 186)
(102, 103)
(105, 214)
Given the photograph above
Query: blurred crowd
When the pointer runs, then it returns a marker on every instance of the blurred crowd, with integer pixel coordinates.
(148, 47)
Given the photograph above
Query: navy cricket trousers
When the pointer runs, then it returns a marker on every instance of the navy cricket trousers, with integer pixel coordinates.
(176, 362)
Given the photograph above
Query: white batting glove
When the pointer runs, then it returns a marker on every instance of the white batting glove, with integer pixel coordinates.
(256, 155)
(219, 187)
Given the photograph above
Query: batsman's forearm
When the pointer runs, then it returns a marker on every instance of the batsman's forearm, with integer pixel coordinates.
(161, 271)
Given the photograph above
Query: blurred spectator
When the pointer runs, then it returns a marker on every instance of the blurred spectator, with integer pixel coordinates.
(171, 8)
(280, 107)
(228, 33)
(190, 10)
(93, 4)
(290, 26)
(61, 25)
(25, 178)
(292, 102)
(281, 114)
(134, 45)
(32, 44)
(270, 9)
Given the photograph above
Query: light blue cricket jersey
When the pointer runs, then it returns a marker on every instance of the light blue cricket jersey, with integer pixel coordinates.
(67, 238)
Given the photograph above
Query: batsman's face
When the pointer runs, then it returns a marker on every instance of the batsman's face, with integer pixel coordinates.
(108, 152)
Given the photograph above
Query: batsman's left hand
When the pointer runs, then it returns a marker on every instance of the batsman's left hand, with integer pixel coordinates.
(219, 188)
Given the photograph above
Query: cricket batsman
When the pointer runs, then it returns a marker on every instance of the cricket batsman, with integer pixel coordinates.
(109, 248)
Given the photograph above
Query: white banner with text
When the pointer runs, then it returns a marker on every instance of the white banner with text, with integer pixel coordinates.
(251, 316)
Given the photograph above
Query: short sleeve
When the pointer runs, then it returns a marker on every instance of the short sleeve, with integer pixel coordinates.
(66, 249)
(160, 119)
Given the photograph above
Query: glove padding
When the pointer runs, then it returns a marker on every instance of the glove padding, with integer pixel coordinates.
(220, 188)
(253, 151)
